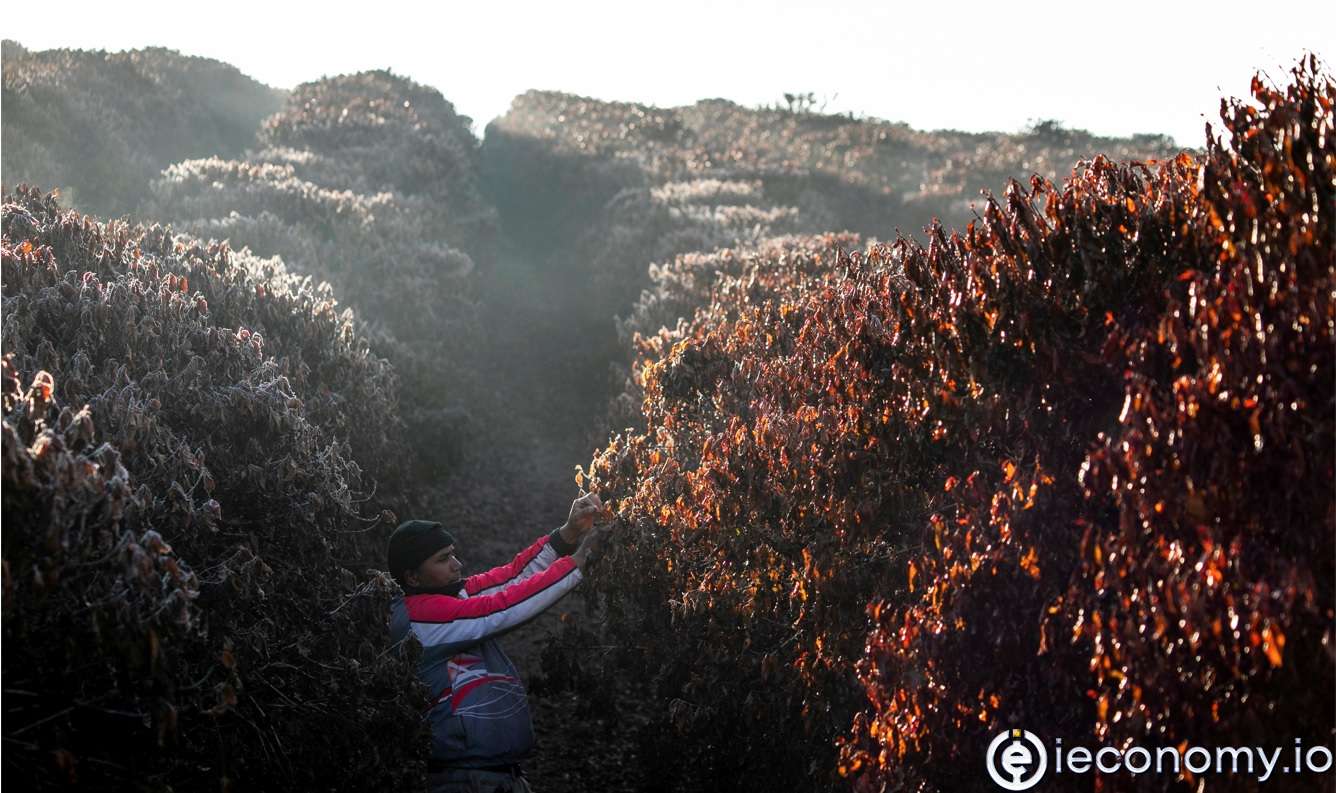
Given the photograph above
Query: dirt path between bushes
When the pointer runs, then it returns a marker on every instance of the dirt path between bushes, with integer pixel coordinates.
(516, 482)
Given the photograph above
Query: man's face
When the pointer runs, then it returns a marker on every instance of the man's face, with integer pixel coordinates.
(440, 569)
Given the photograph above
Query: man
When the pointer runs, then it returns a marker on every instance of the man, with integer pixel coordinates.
(480, 724)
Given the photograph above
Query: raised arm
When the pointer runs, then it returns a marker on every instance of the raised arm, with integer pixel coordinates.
(456, 623)
(544, 551)
(534, 559)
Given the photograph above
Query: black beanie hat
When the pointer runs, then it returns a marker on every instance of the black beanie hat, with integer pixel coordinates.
(413, 543)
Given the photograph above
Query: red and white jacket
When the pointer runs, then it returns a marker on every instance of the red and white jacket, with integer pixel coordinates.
(481, 713)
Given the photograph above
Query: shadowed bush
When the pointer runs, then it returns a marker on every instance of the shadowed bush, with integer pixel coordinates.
(199, 453)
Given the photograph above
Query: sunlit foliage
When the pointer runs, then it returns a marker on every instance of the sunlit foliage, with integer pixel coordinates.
(1069, 467)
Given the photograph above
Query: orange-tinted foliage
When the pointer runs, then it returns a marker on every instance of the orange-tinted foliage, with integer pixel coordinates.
(1071, 466)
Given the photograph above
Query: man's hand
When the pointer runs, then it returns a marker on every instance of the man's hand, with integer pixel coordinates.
(589, 544)
(583, 512)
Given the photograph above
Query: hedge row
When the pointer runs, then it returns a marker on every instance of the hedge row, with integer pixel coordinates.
(1068, 469)
(100, 126)
(375, 131)
(644, 225)
(368, 181)
(202, 459)
(556, 159)
(679, 288)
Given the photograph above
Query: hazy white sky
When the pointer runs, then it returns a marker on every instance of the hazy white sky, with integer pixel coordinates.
(1114, 68)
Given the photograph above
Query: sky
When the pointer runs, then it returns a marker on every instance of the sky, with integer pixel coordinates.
(1114, 68)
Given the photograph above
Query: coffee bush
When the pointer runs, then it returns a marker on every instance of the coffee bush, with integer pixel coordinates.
(101, 126)
(1066, 469)
(201, 461)
(368, 181)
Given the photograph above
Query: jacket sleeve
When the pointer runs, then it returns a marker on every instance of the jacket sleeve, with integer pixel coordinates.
(456, 623)
(536, 558)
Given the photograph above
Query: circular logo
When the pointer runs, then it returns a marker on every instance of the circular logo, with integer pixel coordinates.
(1017, 760)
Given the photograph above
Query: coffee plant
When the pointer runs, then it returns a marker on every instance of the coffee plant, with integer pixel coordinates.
(688, 283)
(201, 461)
(608, 193)
(647, 225)
(375, 132)
(557, 159)
(1068, 468)
(368, 181)
(102, 125)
